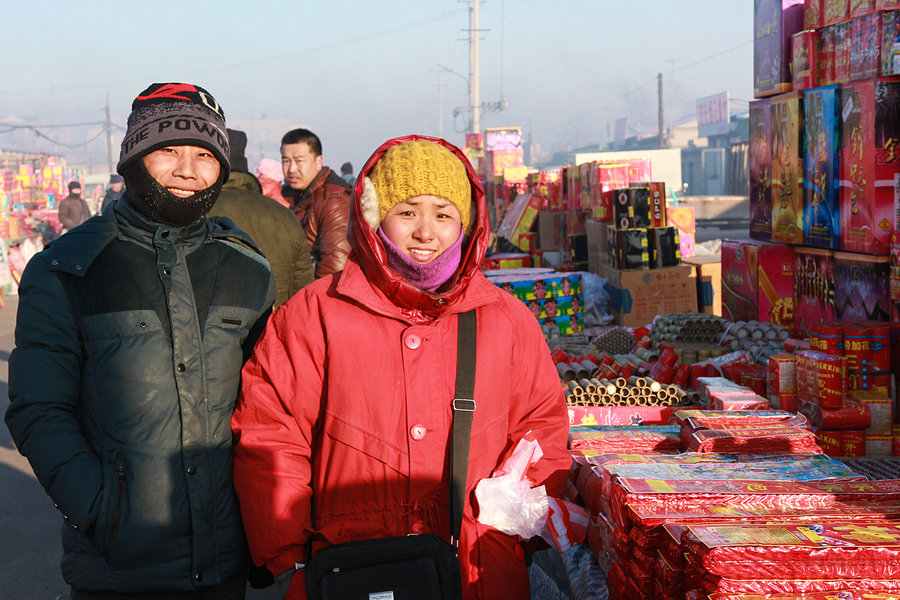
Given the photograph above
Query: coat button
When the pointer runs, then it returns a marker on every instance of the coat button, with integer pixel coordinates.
(191, 469)
(198, 577)
(167, 271)
(417, 432)
(413, 341)
(181, 368)
(418, 528)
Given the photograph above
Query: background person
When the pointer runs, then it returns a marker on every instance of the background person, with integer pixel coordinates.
(73, 209)
(273, 227)
(115, 191)
(319, 198)
(343, 422)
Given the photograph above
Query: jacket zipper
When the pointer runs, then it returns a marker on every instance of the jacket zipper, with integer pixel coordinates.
(117, 509)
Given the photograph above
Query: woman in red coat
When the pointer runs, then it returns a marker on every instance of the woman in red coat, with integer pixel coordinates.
(343, 424)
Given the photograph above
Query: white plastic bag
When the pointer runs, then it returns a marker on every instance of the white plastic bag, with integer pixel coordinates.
(506, 500)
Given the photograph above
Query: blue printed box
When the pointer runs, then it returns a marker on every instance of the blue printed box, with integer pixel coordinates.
(821, 164)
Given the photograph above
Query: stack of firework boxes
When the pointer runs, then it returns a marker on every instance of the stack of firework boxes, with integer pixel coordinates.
(629, 242)
(824, 184)
(555, 299)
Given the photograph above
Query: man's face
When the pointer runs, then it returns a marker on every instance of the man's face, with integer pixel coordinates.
(117, 186)
(183, 170)
(300, 165)
(75, 190)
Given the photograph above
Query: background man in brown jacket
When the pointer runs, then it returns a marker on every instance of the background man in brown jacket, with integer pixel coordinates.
(319, 198)
(73, 210)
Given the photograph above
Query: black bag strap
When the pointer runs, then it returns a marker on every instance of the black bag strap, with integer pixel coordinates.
(463, 411)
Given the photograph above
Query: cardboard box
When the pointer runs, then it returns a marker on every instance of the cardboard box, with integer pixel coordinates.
(861, 287)
(787, 168)
(869, 163)
(834, 11)
(821, 168)
(707, 270)
(813, 289)
(551, 230)
(865, 45)
(520, 216)
(812, 14)
(684, 219)
(597, 244)
(621, 415)
(760, 159)
(637, 297)
(890, 43)
(772, 31)
(803, 60)
(757, 281)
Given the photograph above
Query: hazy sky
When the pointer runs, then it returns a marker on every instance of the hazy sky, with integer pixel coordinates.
(360, 72)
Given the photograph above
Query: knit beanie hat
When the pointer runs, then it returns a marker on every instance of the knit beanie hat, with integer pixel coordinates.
(175, 114)
(416, 168)
(74, 185)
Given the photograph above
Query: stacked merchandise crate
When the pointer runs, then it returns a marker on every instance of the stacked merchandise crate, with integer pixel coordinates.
(824, 163)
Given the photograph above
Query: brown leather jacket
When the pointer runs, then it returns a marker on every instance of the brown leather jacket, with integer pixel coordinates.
(324, 210)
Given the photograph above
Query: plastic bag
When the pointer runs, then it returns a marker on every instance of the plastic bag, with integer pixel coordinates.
(506, 500)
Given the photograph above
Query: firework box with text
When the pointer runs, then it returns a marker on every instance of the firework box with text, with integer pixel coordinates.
(886, 4)
(860, 7)
(757, 281)
(760, 163)
(621, 415)
(869, 163)
(597, 244)
(834, 11)
(531, 284)
(861, 287)
(803, 60)
(841, 442)
(812, 14)
(825, 56)
(842, 52)
(609, 177)
(708, 273)
(683, 217)
(520, 216)
(774, 22)
(865, 45)
(813, 288)
(821, 162)
(637, 297)
(787, 168)
(890, 43)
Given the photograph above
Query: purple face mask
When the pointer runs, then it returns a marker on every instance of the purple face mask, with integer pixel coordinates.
(425, 276)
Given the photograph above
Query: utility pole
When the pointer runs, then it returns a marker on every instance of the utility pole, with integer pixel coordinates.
(474, 100)
(662, 143)
(108, 126)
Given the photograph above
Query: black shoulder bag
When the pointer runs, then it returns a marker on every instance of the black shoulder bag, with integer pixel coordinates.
(412, 567)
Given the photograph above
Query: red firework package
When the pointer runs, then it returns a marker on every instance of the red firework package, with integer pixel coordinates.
(732, 402)
(629, 496)
(793, 551)
(753, 439)
(595, 479)
(844, 594)
(852, 415)
(643, 439)
(712, 418)
(744, 421)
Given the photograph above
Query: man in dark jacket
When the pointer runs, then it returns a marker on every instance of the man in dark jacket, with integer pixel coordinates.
(73, 210)
(115, 191)
(319, 197)
(272, 226)
(130, 336)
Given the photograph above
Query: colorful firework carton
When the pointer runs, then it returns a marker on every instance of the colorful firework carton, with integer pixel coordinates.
(787, 168)
(869, 163)
(774, 22)
(821, 168)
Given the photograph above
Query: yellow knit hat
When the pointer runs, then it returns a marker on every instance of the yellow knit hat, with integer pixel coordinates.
(417, 168)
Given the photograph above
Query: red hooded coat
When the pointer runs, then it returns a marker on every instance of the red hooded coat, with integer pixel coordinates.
(343, 424)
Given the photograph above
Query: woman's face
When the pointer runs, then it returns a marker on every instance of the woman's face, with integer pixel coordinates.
(423, 227)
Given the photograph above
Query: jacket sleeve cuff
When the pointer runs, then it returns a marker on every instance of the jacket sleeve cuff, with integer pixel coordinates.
(287, 560)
